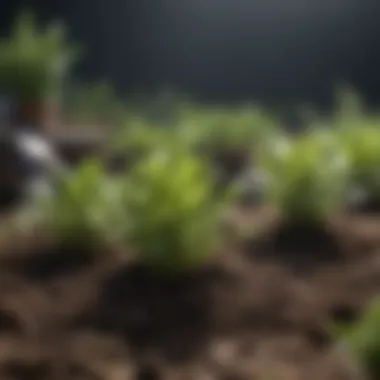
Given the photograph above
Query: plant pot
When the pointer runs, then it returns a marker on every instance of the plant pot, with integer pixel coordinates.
(40, 114)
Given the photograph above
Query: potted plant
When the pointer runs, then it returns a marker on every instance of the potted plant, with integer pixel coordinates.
(34, 64)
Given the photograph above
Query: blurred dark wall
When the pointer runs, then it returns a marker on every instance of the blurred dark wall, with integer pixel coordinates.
(280, 51)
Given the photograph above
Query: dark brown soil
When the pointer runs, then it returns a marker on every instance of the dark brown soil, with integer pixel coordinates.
(370, 206)
(232, 161)
(228, 163)
(259, 311)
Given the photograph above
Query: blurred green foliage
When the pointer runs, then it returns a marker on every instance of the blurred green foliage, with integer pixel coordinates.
(34, 62)
(86, 208)
(362, 340)
(308, 177)
(175, 214)
(96, 104)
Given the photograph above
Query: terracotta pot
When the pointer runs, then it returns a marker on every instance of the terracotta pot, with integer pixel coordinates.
(43, 115)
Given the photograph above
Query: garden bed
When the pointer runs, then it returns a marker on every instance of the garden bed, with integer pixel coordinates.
(247, 315)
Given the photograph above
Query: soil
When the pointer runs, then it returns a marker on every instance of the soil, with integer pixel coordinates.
(260, 310)
(230, 162)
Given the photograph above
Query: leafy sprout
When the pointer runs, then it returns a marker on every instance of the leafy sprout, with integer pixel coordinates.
(86, 208)
(362, 339)
(308, 177)
(174, 212)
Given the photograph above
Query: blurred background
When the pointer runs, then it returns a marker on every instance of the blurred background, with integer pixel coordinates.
(277, 52)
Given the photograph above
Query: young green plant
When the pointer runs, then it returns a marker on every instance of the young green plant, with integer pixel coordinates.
(361, 340)
(362, 144)
(86, 208)
(174, 212)
(217, 128)
(307, 177)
